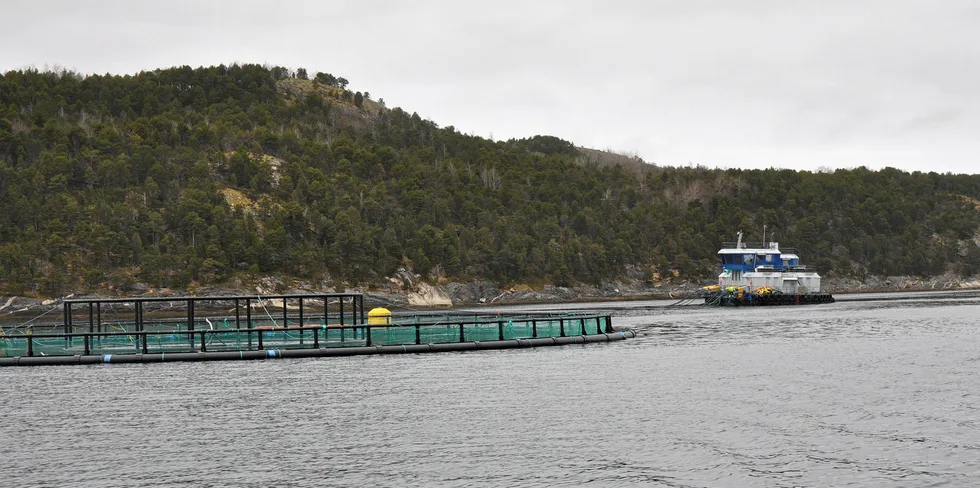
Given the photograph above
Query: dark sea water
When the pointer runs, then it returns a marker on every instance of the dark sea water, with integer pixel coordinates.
(857, 393)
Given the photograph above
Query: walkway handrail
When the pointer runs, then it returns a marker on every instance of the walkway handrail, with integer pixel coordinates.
(197, 340)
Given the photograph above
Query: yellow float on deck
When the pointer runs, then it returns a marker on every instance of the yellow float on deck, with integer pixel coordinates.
(379, 316)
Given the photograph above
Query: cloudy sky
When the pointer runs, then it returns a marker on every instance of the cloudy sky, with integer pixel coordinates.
(720, 83)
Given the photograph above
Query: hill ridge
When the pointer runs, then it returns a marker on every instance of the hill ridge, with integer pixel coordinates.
(108, 182)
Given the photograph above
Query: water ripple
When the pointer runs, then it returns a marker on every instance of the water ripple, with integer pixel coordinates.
(857, 393)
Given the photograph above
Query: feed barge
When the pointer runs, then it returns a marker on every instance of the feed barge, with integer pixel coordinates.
(210, 328)
(761, 274)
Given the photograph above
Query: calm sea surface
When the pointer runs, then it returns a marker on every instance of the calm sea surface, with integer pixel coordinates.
(857, 393)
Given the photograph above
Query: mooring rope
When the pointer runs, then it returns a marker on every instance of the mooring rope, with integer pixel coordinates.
(267, 310)
(14, 329)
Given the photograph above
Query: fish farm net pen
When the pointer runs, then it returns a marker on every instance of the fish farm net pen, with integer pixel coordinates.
(121, 341)
(137, 328)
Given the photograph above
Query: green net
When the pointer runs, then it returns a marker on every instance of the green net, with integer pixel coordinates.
(224, 334)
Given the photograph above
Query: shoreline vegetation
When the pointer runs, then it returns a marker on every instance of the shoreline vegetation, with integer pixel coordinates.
(425, 296)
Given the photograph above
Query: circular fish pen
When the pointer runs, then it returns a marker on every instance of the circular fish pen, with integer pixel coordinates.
(138, 330)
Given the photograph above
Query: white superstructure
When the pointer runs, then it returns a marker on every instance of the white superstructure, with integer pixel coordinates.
(765, 265)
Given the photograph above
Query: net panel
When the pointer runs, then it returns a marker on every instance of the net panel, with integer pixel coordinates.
(223, 334)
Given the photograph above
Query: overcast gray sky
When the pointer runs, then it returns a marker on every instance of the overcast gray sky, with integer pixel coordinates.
(721, 83)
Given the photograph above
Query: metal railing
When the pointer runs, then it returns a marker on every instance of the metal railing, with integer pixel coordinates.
(293, 337)
(242, 308)
(756, 245)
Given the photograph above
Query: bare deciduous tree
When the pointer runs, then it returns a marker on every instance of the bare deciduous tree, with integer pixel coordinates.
(491, 178)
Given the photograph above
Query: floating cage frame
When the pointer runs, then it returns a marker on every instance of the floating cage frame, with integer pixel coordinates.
(306, 325)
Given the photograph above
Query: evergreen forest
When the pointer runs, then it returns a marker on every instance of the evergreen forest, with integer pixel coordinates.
(184, 177)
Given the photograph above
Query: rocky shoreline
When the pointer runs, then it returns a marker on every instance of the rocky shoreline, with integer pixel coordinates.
(481, 293)
(411, 293)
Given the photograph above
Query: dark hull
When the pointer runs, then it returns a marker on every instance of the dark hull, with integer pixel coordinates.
(726, 300)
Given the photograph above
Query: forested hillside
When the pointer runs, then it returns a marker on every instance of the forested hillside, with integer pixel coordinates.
(193, 176)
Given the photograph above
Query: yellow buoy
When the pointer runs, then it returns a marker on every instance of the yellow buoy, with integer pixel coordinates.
(379, 316)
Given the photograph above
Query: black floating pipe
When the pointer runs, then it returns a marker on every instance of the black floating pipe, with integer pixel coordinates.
(308, 352)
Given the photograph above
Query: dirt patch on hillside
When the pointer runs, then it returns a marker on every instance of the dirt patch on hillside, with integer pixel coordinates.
(237, 199)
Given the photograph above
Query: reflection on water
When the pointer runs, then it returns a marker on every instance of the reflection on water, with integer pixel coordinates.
(857, 393)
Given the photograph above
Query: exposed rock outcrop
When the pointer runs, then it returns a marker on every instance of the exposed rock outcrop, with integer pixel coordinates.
(427, 295)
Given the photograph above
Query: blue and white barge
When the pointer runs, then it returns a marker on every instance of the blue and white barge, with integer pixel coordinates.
(763, 274)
